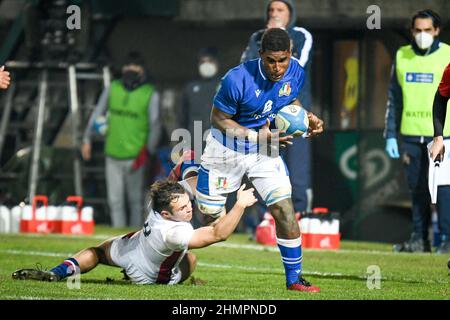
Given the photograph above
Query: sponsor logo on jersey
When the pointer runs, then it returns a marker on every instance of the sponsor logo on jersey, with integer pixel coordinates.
(260, 116)
(285, 89)
(257, 92)
(268, 106)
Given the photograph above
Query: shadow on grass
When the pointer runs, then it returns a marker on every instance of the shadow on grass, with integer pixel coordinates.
(363, 278)
(191, 281)
(339, 276)
(108, 281)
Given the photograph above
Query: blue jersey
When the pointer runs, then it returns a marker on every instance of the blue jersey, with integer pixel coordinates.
(250, 97)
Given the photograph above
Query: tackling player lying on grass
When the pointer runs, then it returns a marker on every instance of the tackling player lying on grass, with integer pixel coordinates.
(158, 253)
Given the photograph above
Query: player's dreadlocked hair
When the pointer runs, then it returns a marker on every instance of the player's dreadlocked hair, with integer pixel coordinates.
(162, 193)
(275, 39)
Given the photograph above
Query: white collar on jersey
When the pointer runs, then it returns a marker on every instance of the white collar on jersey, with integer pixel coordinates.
(260, 70)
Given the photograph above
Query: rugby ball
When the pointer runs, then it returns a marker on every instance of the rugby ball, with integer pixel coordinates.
(100, 125)
(293, 119)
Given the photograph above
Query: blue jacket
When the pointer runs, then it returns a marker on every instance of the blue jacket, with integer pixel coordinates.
(302, 50)
(395, 100)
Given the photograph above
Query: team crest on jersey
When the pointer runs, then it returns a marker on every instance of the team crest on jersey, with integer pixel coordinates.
(285, 90)
(221, 183)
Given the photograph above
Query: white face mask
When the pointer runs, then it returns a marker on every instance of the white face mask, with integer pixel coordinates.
(424, 40)
(207, 69)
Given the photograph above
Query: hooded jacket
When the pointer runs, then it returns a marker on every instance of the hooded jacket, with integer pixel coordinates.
(302, 48)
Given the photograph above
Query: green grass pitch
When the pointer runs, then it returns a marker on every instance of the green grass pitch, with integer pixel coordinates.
(235, 269)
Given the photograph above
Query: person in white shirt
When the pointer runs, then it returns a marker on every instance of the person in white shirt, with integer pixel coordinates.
(158, 253)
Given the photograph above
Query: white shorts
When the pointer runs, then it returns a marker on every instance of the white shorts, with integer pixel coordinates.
(222, 169)
(125, 253)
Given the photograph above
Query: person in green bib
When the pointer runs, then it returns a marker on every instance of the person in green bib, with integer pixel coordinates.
(129, 109)
(416, 74)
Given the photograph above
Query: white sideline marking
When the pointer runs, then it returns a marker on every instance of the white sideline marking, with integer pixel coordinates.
(225, 266)
(16, 297)
(202, 264)
(315, 273)
(24, 298)
(37, 253)
(257, 247)
(277, 270)
(63, 236)
(275, 249)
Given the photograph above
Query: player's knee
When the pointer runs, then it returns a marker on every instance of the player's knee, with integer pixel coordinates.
(210, 205)
(96, 252)
(283, 212)
(88, 258)
(286, 223)
(100, 253)
(282, 207)
(279, 196)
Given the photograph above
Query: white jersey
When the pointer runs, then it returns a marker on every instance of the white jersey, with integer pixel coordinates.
(152, 255)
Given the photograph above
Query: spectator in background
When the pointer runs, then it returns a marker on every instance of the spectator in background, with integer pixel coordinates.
(282, 14)
(198, 94)
(133, 130)
(4, 78)
(416, 72)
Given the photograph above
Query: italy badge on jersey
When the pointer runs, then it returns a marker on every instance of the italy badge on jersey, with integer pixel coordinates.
(285, 89)
(221, 183)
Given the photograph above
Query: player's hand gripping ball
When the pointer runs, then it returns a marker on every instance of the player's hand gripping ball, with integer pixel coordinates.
(293, 119)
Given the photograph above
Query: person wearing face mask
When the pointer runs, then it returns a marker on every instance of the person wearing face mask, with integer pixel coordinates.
(415, 77)
(197, 94)
(131, 106)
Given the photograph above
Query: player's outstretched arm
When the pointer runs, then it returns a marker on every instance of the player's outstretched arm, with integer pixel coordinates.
(221, 230)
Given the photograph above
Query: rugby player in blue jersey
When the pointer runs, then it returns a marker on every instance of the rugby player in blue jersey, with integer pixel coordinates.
(241, 143)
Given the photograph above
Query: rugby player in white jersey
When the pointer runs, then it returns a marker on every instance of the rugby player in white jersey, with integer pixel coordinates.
(158, 253)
